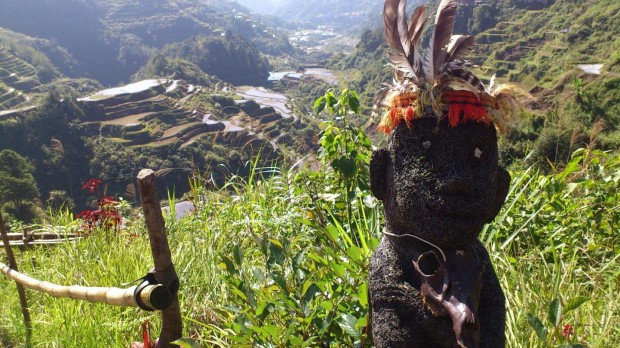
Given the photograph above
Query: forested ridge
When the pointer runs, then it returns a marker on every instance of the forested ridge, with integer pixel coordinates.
(276, 250)
(534, 44)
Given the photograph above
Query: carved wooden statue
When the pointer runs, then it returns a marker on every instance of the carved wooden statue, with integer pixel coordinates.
(432, 283)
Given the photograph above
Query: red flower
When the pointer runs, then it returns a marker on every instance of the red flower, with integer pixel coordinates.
(92, 185)
(567, 330)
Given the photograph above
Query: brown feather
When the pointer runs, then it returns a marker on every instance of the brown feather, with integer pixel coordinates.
(390, 26)
(402, 63)
(466, 77)
(417, 24)
(397, 36)
(444, 24)
(403, 29)
(459, 47)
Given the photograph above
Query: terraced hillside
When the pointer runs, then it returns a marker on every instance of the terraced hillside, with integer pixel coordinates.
(500, 52)
(538, 47)
(163, 112)
(112, 39)
(16, 79)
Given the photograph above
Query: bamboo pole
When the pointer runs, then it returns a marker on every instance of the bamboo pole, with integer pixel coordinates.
(109, 295)
(172, 326)
(23, 301)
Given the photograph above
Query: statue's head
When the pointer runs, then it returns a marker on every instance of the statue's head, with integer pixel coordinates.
(438, 178)
(439, 182)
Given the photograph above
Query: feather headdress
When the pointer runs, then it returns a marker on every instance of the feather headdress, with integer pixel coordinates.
(437, 77)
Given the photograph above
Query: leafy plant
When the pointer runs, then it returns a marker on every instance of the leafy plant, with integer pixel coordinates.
(344, 147)
(556, 331)
(107, 216)
(347, 150)
(558, 230)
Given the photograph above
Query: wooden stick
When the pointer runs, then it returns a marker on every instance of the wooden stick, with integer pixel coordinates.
(172, 326)
(20, 289)
(151, 295)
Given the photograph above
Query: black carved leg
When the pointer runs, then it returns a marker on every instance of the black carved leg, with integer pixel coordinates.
(492, 310)
(395, 304)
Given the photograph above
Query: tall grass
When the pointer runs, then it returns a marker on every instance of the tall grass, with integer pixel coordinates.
(273, 261)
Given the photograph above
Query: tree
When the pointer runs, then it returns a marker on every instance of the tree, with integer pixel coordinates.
(18, 187)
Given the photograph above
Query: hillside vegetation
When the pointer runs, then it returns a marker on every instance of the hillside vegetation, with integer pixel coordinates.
(537, 46)
(280, 259)
(110, 40)
(230, 57)
(163, 123)
(276, 251)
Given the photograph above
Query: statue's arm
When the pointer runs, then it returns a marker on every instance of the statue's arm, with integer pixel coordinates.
(395, 308)
(492, 309)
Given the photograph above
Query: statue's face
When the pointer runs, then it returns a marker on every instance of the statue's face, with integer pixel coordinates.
(442, 182)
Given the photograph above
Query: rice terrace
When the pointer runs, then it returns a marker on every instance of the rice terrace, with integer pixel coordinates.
(277, 173)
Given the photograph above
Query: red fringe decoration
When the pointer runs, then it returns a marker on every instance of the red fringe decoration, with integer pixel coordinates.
(409, 115)
(466, 106)
(463, 106)
(461, 113)
(394, 116)
(404, 100)
(383, 129)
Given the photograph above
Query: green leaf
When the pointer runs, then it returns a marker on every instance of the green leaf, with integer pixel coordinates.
(276, 254)
(238, 255)
(228, 265)
(310, 342)
(319, 105)
(327, 305)
(338, 269)
(332, 232)
(280, 282)
(362, 322)
(239, 293)
(347, 323)
(538, 326)
(331, 101)
(272, 330)
(355, 253)
(263, 309)
(574, 303)
(277, 242)
(362, 294)
(186, 342)
(354, 104)
(347, 167)
(572, 346)
(555, 312)
(308, 295)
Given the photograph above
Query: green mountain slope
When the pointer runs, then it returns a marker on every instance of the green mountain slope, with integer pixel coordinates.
(544, 51)
(230, 58)
(537, 45)
(111, 39)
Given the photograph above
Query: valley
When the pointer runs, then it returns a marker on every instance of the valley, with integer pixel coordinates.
(267, 207)
(192, 83)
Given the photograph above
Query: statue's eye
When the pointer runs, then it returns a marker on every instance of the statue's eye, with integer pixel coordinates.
(477, 153)
(426, 145)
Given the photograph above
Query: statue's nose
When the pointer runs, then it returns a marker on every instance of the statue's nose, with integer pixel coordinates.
(457, 179)
(456, 175)
(455, 185)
